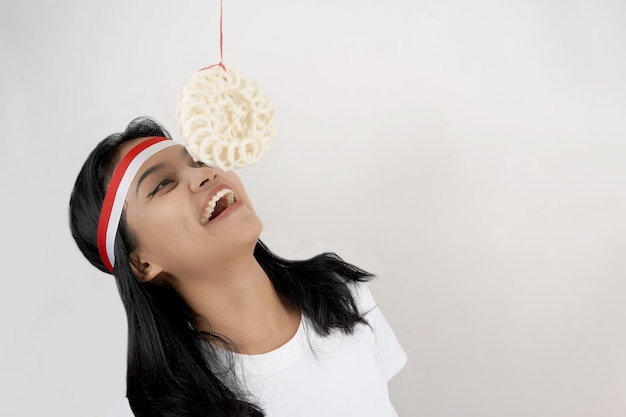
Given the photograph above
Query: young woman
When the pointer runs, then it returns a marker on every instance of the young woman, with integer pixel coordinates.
(217, 324)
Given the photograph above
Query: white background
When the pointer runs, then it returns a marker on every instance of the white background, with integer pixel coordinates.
(471, 153)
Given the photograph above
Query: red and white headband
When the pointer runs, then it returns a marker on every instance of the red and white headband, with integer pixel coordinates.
(115, 196)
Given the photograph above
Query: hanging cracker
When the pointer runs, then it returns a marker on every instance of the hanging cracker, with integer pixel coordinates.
(223, 118)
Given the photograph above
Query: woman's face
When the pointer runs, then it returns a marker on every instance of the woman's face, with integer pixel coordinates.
(187, 218)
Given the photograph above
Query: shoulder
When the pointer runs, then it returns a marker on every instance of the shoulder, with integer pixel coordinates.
(122, 409)
(390, 353)
(362, 297)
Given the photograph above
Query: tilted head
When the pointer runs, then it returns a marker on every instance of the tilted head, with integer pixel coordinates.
(175, 216)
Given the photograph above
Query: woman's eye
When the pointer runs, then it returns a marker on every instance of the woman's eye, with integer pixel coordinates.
(199, 164)
(163, 183)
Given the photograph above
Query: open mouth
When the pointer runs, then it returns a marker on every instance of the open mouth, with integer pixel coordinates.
(220, 202)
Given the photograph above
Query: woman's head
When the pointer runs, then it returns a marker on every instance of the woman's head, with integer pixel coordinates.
(173, 212)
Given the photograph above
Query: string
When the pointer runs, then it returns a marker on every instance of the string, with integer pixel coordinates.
(221, 63)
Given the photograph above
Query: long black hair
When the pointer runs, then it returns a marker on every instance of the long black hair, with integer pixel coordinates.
(171, 369)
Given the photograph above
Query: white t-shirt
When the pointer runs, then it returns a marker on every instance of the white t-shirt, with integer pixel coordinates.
(334, 376)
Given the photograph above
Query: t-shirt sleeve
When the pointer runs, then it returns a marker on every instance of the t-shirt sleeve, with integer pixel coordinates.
(390, 354)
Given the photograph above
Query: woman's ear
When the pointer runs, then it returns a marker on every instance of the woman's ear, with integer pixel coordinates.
(144, 271)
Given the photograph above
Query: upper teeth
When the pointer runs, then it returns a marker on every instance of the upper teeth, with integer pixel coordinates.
(230, 199)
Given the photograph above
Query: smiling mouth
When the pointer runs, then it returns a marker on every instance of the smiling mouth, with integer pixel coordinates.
(220, 202)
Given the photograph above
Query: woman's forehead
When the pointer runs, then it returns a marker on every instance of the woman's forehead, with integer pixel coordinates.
(176, 150)
(165, 157)
(136, 155)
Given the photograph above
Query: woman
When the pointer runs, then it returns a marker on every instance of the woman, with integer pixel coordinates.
(217, 324)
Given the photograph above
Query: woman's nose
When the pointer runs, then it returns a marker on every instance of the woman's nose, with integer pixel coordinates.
(201, 177)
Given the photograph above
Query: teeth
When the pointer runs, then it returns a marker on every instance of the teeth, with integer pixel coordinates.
(230, 199)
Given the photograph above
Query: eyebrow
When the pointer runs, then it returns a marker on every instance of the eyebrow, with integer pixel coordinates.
(148, 171)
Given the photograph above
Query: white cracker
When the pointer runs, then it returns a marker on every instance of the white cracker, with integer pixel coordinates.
(223, 118)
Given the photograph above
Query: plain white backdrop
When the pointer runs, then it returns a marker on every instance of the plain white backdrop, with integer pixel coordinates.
(470, 153)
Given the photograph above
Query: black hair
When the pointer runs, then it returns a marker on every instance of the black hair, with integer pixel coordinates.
(173, 369)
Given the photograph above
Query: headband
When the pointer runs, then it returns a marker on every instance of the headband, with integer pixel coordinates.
(113, 203)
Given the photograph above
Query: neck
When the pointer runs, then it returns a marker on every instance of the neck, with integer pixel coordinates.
(241, 304)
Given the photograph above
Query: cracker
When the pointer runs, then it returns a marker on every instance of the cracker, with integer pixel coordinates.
(223, 118)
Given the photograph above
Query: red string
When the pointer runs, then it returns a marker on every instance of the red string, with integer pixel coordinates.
(221, 63)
